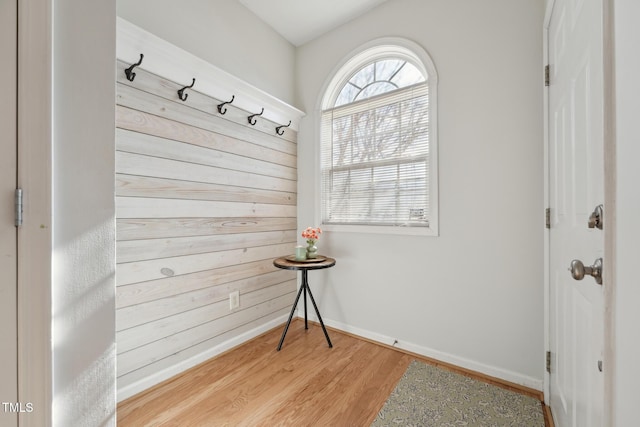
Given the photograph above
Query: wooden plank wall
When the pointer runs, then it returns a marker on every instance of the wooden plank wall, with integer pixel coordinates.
(204, 203)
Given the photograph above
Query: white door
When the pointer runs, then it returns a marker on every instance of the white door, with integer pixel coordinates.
(576, 187)
(8, 239)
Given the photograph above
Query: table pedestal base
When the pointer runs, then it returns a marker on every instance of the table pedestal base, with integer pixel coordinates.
(304, 288)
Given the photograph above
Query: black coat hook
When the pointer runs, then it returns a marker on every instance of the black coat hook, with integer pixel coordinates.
(279, 129)
(252, 120)
(220, 110)
(183, 96)
(129, 71)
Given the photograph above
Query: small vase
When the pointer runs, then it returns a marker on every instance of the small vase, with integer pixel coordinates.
(312, 251)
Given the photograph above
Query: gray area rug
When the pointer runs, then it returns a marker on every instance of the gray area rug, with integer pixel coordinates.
(430, 396)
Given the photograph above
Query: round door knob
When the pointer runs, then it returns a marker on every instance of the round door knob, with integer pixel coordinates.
(578, 270)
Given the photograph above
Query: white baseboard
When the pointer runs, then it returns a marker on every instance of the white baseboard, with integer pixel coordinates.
(143, 384)
(461, 362)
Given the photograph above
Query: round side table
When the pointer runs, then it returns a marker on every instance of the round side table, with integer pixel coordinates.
(304, 267)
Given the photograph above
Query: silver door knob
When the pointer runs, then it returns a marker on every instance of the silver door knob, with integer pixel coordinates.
(578, 270)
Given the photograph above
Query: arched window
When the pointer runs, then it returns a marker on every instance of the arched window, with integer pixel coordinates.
(378, 142)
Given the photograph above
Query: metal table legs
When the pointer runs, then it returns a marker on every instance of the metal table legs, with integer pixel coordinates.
(304, 288)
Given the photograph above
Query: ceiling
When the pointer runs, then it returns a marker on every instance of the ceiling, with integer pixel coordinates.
(300, 21)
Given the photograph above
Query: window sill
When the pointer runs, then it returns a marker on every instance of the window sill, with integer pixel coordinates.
(373, 229)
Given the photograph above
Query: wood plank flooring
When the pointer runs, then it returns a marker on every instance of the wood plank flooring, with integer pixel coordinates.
(305, 384)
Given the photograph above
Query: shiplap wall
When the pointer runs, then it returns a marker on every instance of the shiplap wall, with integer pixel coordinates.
(204, 203)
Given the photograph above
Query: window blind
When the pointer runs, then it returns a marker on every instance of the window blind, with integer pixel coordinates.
(375, 160)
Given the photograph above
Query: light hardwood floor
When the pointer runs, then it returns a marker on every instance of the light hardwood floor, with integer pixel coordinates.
(305, 384)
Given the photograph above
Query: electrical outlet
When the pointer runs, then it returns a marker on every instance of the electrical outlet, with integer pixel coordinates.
(234, 300)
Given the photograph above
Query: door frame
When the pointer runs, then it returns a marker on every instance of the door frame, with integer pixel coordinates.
(34, 126)
(8, 234)
(610, 226)
(545, 120)
(609, 203)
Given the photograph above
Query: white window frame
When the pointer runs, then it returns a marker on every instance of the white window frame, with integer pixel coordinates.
(370, 52)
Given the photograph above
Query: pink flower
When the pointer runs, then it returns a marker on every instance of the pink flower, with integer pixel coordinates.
(311, 233)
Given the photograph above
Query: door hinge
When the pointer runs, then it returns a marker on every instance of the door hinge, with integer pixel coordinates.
(548, 361)
(18, 206)
(547, 79)
(547, 218)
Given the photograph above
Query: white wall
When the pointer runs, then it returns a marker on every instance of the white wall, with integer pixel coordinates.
(83, 260)
(627, 291)
(223, 33)
(474, 295)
